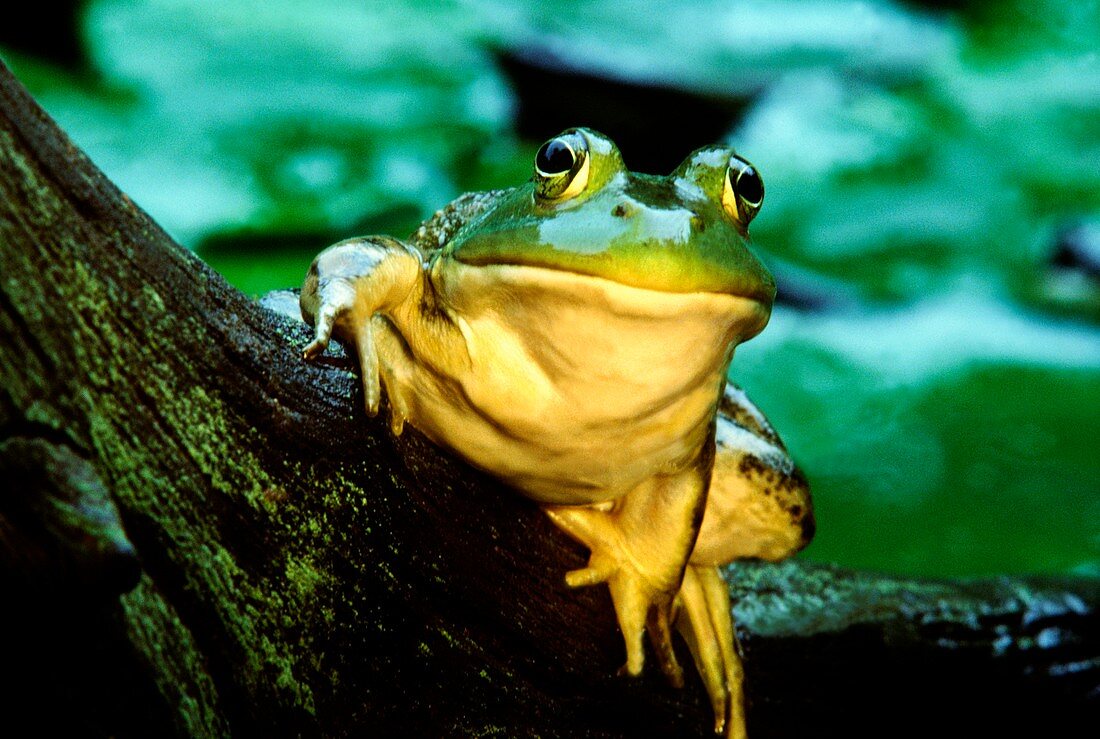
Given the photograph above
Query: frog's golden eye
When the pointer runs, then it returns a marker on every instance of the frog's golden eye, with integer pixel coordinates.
(561, 166)
(744, 190)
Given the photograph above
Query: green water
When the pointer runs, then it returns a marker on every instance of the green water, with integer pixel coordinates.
(920, 167)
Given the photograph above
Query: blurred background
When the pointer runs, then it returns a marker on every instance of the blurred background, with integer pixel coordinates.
(932, 211)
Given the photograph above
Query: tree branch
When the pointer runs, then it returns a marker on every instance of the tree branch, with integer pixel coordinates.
(304, 572)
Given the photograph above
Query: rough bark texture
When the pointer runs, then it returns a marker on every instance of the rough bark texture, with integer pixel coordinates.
(203, 535)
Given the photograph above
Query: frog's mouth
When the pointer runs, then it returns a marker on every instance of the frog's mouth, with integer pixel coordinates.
(668, 255)
(571, 295)
(653, 271)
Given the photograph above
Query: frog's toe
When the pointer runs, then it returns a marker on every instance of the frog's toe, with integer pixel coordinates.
(315, 348)
(640, 608)
(630, 611)
(322, 334)
(659, 626)
(590, 575)
(368, 366)
(368, 357)
(707, 626)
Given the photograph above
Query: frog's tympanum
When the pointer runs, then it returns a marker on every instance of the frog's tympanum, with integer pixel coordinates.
(572, 336)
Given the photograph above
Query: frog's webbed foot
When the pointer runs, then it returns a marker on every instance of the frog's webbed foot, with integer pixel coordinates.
(704, 620)
(347, 285)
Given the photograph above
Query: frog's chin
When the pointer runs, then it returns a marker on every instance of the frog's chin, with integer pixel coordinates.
(584, 297)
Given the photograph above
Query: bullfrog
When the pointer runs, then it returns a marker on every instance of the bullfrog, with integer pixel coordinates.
(572, 337)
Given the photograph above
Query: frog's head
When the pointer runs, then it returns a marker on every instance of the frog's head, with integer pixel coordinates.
(584, 212)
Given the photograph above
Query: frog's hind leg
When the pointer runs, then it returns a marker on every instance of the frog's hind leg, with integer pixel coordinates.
(758, 506)
(705, 622)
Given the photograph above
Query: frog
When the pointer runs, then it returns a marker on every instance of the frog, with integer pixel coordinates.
(572, 337)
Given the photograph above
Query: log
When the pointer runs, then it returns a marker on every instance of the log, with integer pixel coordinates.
(203, 535)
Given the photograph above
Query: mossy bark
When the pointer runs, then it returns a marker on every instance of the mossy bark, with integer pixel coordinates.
(203, 535)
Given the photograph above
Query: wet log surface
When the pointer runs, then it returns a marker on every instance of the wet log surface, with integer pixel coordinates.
(200, 534)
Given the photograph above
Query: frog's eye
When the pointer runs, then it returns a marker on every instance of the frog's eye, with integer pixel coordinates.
(744, 190)
(561, 167)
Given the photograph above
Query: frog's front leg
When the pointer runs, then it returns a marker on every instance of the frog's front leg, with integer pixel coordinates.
(640, 547)
(372, 293)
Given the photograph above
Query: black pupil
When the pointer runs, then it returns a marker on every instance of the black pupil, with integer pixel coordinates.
(749, 186)
(554, 157)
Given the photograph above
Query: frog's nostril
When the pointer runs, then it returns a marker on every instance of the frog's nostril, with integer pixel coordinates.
(623, 210)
